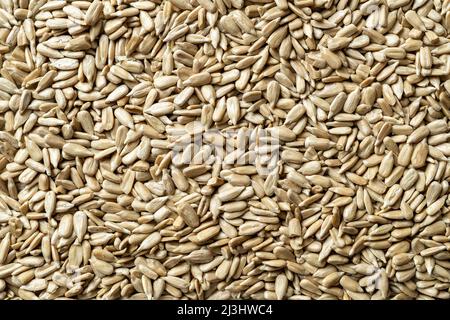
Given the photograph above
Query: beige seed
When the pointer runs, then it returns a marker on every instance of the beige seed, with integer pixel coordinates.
(189, 215)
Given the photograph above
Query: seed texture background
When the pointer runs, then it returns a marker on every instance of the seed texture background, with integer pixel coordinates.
(224, 149)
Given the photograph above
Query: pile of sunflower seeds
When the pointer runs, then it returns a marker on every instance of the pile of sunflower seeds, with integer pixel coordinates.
(224, 149)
